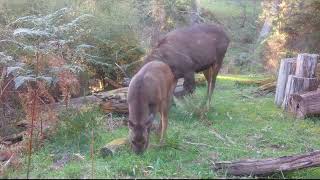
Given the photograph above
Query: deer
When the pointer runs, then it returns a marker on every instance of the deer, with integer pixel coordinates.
(150, 92)
(189, 50)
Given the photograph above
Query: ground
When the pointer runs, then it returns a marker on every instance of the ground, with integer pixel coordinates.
(237, 126)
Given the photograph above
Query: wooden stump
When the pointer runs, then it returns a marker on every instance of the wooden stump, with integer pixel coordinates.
(306, 104)
(112, 147)
(306, 65)
(270, 165)
(298, 85)
(287, 67)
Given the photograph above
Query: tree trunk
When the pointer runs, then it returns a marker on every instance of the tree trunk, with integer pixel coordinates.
(306, 104)
(306, 65)
(159, 16)
(270, 165)
(287, 67)
(298, 85)
(268, 22)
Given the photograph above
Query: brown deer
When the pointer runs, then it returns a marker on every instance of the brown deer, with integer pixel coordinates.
(150, 91)
(197, 48)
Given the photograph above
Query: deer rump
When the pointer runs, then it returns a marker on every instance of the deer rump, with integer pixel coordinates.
(192, 49)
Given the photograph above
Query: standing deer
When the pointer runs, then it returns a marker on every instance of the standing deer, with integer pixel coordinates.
(150, 91)
(197, 48)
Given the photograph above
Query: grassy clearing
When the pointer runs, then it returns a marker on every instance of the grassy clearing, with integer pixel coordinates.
(249, 128)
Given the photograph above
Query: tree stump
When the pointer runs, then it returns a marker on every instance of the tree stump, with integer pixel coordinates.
(287, 67)
(112, 147)
(298, 85)
(306, 65)
(306, 104)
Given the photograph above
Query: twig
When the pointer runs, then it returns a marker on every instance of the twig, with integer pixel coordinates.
(230, 141)
(199, 144)
(6, 163)
(218, 135)
(215, 147)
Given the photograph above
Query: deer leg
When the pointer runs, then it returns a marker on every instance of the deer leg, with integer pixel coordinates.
(208, 73)
(164, 119)
(189, 83)
(215, 70)
(160, 126)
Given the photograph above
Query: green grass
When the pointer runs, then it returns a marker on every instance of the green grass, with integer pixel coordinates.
(255, 126)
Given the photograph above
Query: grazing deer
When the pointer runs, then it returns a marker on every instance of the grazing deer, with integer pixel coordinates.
(197, 48)
(150, 91)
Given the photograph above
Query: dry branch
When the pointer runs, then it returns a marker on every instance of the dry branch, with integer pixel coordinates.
(271, 165)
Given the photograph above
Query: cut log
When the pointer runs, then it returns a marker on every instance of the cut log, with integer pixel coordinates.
(306, 65)
(12, 139)
(270, 165)
(306, 104)
(298, 85)
(287, 67)
(111, 148)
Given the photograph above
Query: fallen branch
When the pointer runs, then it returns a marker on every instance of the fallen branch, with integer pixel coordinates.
(199, 144)
(270, 165)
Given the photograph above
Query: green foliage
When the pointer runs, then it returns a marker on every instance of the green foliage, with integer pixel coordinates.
(75, 129)
(295, 30)
(101, 39)
(240, 18)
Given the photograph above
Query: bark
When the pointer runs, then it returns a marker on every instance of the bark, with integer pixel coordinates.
(306, 65)
(112, 147)
(270, 165)
(268, 22)
(287, 67)
(303, 105)
(298, 85)
(159, 16)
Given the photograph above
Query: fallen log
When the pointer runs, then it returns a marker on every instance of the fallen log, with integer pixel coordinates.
(269, 166)
(114, 106)
(266, 88)
(287, 67)
(306, 104)
(297, 84)
(113, 83)
(255, 82)
(12, 139)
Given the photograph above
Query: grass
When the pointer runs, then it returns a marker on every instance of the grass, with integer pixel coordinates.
(249, 128)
